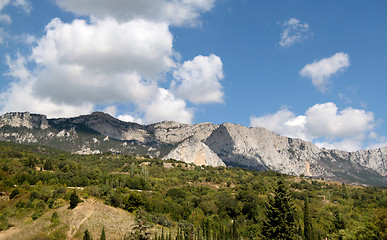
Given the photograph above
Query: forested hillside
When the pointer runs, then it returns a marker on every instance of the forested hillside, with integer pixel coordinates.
(39, 187)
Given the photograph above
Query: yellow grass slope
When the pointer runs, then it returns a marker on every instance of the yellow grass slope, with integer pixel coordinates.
(91, 214)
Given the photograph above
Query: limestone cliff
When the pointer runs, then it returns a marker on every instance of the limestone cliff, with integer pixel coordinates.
(196, 152)
(24, 119)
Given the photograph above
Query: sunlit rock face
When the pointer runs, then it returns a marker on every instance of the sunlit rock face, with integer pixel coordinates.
(196, 152)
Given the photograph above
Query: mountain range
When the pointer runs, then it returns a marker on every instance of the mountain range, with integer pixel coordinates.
(226, 144)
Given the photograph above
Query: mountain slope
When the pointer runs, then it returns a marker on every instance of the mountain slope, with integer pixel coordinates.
(235, 145)
(91, 214)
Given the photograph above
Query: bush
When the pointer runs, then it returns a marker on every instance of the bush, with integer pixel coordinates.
(36, 214)
(54, 219)
(14, 194)
(4, 225)
(133, 201)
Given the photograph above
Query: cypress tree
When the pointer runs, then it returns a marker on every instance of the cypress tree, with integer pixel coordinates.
(280, 222)
(103, 236)
(308, 228)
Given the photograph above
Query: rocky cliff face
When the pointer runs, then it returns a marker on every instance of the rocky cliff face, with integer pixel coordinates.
(203, 143)
(196, 152)
(25, 119)
(262, 149)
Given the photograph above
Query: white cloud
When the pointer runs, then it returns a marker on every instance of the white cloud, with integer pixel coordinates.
(174, 12)
(111, 110)
(4, 17)
(3, 35)
(25, 5)
(117, 57)
(294, 31)
(166, 107)
(101, 62)
(199, 80)
(320, 71)
(21, 98)
(130, 118)
(283, 122)
(322, 123)
(324, 120)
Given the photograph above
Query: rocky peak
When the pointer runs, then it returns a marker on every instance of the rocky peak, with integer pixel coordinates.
(24, 119)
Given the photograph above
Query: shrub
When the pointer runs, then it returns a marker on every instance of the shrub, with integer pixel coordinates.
(14, 194)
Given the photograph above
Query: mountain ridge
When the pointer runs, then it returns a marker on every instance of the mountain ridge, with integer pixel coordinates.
(236, 145)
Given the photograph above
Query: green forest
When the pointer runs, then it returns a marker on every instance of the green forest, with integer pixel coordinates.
(175, 200)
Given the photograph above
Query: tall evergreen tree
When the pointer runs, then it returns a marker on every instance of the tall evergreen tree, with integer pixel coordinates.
(308, 227)
(280, 222)
(103, 236)
(74, 200)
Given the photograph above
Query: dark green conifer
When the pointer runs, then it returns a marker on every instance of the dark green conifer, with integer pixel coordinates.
(280, 222)
(74, 200)
(308, 227)
(103, 236)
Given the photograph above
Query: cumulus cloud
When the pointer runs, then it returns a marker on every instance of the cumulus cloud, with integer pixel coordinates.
(166, 107)
(199, 80)
(118, 56)
(130, 118)
(283, 122)
(174, 12)
(322, 123)
(20, 98)
(101, 62)
(294, 31)
(321, 71)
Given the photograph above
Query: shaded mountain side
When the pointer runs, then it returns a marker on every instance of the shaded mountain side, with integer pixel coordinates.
(235, 145)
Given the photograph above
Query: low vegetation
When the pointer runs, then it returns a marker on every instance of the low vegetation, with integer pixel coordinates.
(64, 196)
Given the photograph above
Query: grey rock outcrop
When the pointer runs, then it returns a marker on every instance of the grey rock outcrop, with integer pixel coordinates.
(262, 149)
(173, 132)
(24, 119)
(196, 152)
(375, 159)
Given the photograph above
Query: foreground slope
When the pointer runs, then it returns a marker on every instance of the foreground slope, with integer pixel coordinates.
(91, 214)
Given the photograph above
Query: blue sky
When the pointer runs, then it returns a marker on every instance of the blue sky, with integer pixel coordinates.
(315, 70)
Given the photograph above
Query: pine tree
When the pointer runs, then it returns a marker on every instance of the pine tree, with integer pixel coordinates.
(308, 228)
(74, 200)
(280, 222)
(103, 237)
